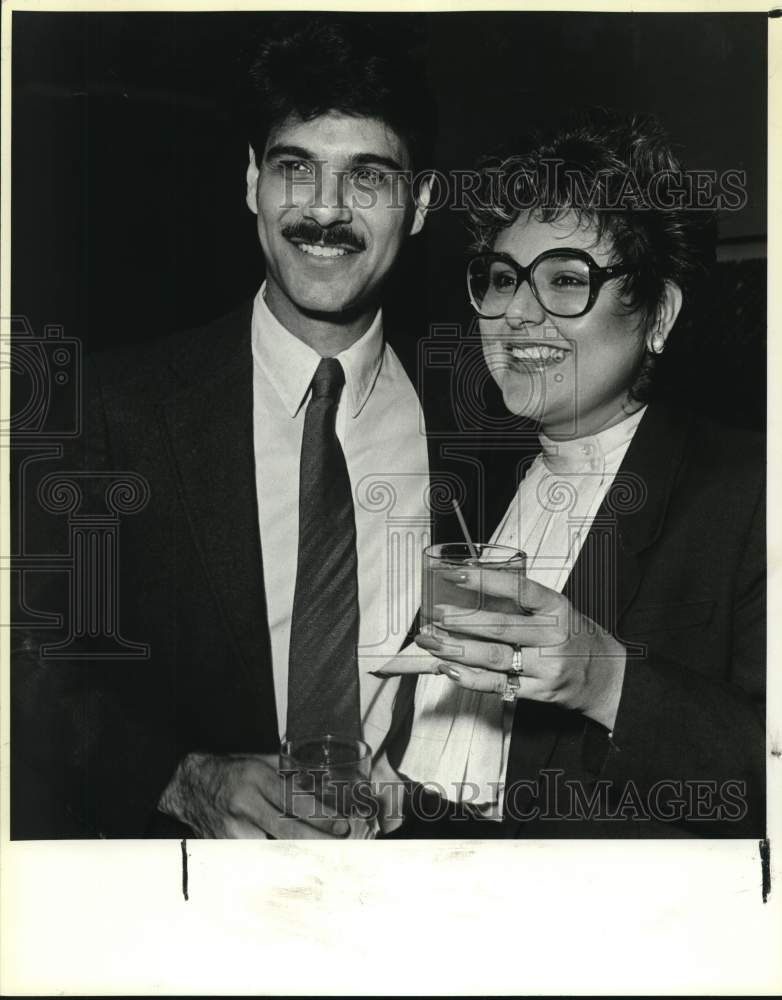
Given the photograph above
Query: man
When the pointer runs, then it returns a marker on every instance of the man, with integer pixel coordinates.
(259, 572)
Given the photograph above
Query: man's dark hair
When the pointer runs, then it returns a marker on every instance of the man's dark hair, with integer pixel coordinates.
(368, 66)
(658, 244)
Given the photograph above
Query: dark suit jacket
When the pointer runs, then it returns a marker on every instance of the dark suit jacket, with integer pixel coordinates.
(674, 567)
(97, 737)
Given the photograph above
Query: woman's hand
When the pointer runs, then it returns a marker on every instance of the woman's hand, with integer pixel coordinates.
(566, 658)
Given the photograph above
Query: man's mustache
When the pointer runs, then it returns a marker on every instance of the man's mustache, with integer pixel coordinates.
(333, 236)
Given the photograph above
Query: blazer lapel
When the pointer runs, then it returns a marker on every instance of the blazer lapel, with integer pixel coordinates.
(210, 428)
(606, 574)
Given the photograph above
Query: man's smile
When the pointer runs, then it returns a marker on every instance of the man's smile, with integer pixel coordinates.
(324, 244)
(322, 251)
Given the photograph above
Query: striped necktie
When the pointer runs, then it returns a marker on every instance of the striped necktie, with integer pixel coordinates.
(323, 689)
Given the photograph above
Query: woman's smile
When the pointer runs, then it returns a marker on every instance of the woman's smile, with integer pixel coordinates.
(534, 354)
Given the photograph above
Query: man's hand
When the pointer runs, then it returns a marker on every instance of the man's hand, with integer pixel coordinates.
(241, 796)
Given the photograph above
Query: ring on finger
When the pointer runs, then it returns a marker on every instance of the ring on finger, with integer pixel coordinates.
(512, 685)
(513, 678)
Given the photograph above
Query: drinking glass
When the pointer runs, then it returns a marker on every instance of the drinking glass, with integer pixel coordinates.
(326, 775)
(441, 562)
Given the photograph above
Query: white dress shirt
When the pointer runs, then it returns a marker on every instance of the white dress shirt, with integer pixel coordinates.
(381, 429)
(460, 736)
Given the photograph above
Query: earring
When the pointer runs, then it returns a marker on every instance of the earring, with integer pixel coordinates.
(658, 343)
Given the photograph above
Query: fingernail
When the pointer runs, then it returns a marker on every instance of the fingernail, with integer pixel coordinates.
(340, 827)
(454, 576)
(438, 611)
(427, 641)
(452, 672)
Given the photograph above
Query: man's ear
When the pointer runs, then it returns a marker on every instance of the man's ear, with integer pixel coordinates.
(422, 200)
(252, 183)
(667, 313)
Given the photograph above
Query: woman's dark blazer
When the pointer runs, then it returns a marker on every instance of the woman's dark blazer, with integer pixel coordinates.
(674, 567)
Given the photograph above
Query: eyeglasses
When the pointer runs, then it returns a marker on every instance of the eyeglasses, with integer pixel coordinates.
(565, 282)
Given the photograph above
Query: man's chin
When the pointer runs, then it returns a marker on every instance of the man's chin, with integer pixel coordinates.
(320, 301)
(330, 310)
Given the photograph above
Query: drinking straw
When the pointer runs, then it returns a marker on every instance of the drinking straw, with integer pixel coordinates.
(465, 532)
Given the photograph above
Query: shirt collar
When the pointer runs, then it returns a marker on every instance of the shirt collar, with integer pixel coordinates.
(585, 452)
(289, 364)
(361, 362)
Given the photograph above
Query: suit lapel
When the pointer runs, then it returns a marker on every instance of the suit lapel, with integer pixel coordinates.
(209, 424)
(482, 466)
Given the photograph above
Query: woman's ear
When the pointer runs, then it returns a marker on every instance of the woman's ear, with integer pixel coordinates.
(667, 311)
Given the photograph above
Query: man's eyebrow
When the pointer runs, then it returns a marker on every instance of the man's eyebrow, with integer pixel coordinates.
(375, 159)
(282, 150)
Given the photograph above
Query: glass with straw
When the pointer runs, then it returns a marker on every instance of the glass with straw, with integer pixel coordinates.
(442, 564)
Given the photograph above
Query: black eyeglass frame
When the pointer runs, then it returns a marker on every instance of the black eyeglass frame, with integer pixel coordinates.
(597, 277)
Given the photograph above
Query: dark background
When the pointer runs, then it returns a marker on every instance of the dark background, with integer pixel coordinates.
(128, 215)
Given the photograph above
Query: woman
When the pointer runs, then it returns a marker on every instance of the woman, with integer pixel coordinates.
(635, 707)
